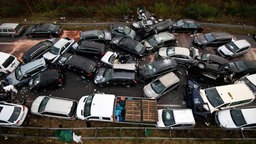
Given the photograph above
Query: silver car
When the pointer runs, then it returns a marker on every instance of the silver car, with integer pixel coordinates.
(54, 107)
(234, 48)
(161, 85)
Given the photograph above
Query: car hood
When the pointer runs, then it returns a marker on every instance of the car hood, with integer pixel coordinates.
(200, 39)
(149, 92)
(36, 103)
(146, 44)
(162, 52)
(224, 50)
(11, 79)
(225, 119)
(99, 76)
(49, 56)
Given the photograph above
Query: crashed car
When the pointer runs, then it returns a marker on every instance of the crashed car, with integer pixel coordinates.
(89, 48)
(96, 35)
(44, 30)
(122, 30)
(186, 25)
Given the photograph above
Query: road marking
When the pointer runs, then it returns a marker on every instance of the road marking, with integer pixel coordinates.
(6, 43)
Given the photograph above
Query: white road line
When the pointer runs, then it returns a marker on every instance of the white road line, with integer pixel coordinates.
(6, 43)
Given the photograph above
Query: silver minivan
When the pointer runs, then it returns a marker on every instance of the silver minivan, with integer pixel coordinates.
(11, 29)
(24, 73)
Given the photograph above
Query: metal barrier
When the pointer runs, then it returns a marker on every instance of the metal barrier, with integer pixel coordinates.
(134, 133)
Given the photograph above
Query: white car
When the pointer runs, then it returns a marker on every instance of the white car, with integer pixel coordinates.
(237, 118)
(8, 63)
(161, 85)
(182, 55)
(62, 46)
(249, 80)
(109, 58)
(12, 114)
(234, 48)
(180, 118)
(54, 107)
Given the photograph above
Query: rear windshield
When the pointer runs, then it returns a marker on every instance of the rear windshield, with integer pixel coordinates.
(87, 106)
(237, 117)
(8, 61)
(73, 109)
(15, 114)
(43, 104)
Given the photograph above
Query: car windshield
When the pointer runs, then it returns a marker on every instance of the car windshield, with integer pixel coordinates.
(152, 41)
(8, 61)
(150, 69)
(209, 37)
(107, 74)
(15, 114)
(54, 50)
(170, 51)
(52, 27)
(241, 66)
(237, 117)
(249, 84)
(112, 58)
(180, 23)
(232, 47)
(139, 47)
(126, 30)
(168, 117)
(87, 105)
(101, 34)
(43, 104)
(18, 73)
(157, 86)
(213, 97)
(37, 79)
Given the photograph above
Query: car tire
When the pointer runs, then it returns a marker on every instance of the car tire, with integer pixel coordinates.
(201, 65)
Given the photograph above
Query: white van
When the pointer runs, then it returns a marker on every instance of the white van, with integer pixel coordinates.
(11, 29)
(8, 63)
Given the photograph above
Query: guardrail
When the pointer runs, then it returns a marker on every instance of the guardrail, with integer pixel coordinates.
(134, 133)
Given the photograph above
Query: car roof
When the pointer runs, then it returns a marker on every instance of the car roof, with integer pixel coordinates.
(221, 35)
(61, 42)
(81, 62)
(58, 105)
(232, 92)
(169, 79)
(99, 106)
(162, 63)
(164, 36)
(6, 111)
(126, 66)
(252, 78)
(242, 43)
(183, 116)
(4, 56)
(32, 64)
(182, 51)
(49, 75)
(122, 74)
(13, 25)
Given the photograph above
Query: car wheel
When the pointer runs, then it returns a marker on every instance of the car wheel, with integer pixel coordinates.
(201, 65)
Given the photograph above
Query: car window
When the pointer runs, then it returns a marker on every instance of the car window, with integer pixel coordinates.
(43, 104)
(157, 86)
(237, 117)
(232, 47)
(151, 69)
(239, 102)
(15, 114)
(54, 114)
(10, 30)
(87, 105)
(168, 117)
(8, 61)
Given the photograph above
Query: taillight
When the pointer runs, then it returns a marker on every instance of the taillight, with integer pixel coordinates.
(102, 53)
(134, 81)
(23, 108)
(89, 75)
(18, 122)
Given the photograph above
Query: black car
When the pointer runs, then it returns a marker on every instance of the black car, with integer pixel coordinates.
(44, 30)
(129, 45)
(212, 39)
(242, 67)
(45, 80)
(157, 68)
(211, 66)
(82, 65)
(96, 35)
(87, 47)
(186, 25)
(121, 77)
(37, 50)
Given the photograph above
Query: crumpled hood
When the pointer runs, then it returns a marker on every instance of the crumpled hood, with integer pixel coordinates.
(49, 56)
